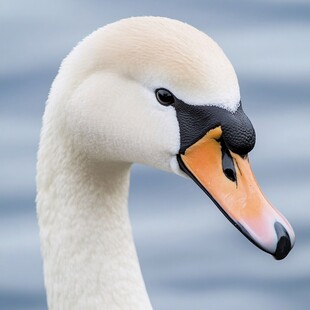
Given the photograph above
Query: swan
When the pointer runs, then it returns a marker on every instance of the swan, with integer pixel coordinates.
(147, 90)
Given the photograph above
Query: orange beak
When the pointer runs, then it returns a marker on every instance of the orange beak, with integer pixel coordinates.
(228, 180)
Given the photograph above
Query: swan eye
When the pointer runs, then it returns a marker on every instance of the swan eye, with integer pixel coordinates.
(164, 96)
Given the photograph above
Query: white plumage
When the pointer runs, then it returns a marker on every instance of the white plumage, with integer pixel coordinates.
(101, 116)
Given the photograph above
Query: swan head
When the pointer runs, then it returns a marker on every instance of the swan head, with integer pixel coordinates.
(159, 92)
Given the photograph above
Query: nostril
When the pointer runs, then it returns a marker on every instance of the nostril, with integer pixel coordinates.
(230, 174)
(228, 163)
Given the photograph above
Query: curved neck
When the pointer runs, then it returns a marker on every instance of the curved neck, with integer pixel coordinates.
(90, 260)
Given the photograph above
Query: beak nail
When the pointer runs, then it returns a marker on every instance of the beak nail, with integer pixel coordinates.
(284, 243)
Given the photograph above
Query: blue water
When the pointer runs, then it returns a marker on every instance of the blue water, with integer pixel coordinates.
(191, 257)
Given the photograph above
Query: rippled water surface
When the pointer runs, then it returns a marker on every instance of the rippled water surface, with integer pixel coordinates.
(191, 257)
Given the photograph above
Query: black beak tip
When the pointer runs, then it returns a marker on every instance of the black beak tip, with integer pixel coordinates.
(284, 243)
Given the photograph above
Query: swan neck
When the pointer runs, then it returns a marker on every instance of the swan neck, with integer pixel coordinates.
(90, 260)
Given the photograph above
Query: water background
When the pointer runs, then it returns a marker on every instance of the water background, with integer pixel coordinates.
(191, 256)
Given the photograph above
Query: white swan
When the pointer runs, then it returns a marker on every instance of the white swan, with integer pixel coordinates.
(149, 90)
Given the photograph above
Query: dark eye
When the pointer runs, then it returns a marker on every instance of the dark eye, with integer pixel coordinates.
(164, 96)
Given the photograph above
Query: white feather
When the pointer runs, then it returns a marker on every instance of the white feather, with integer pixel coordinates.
(101, 116)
